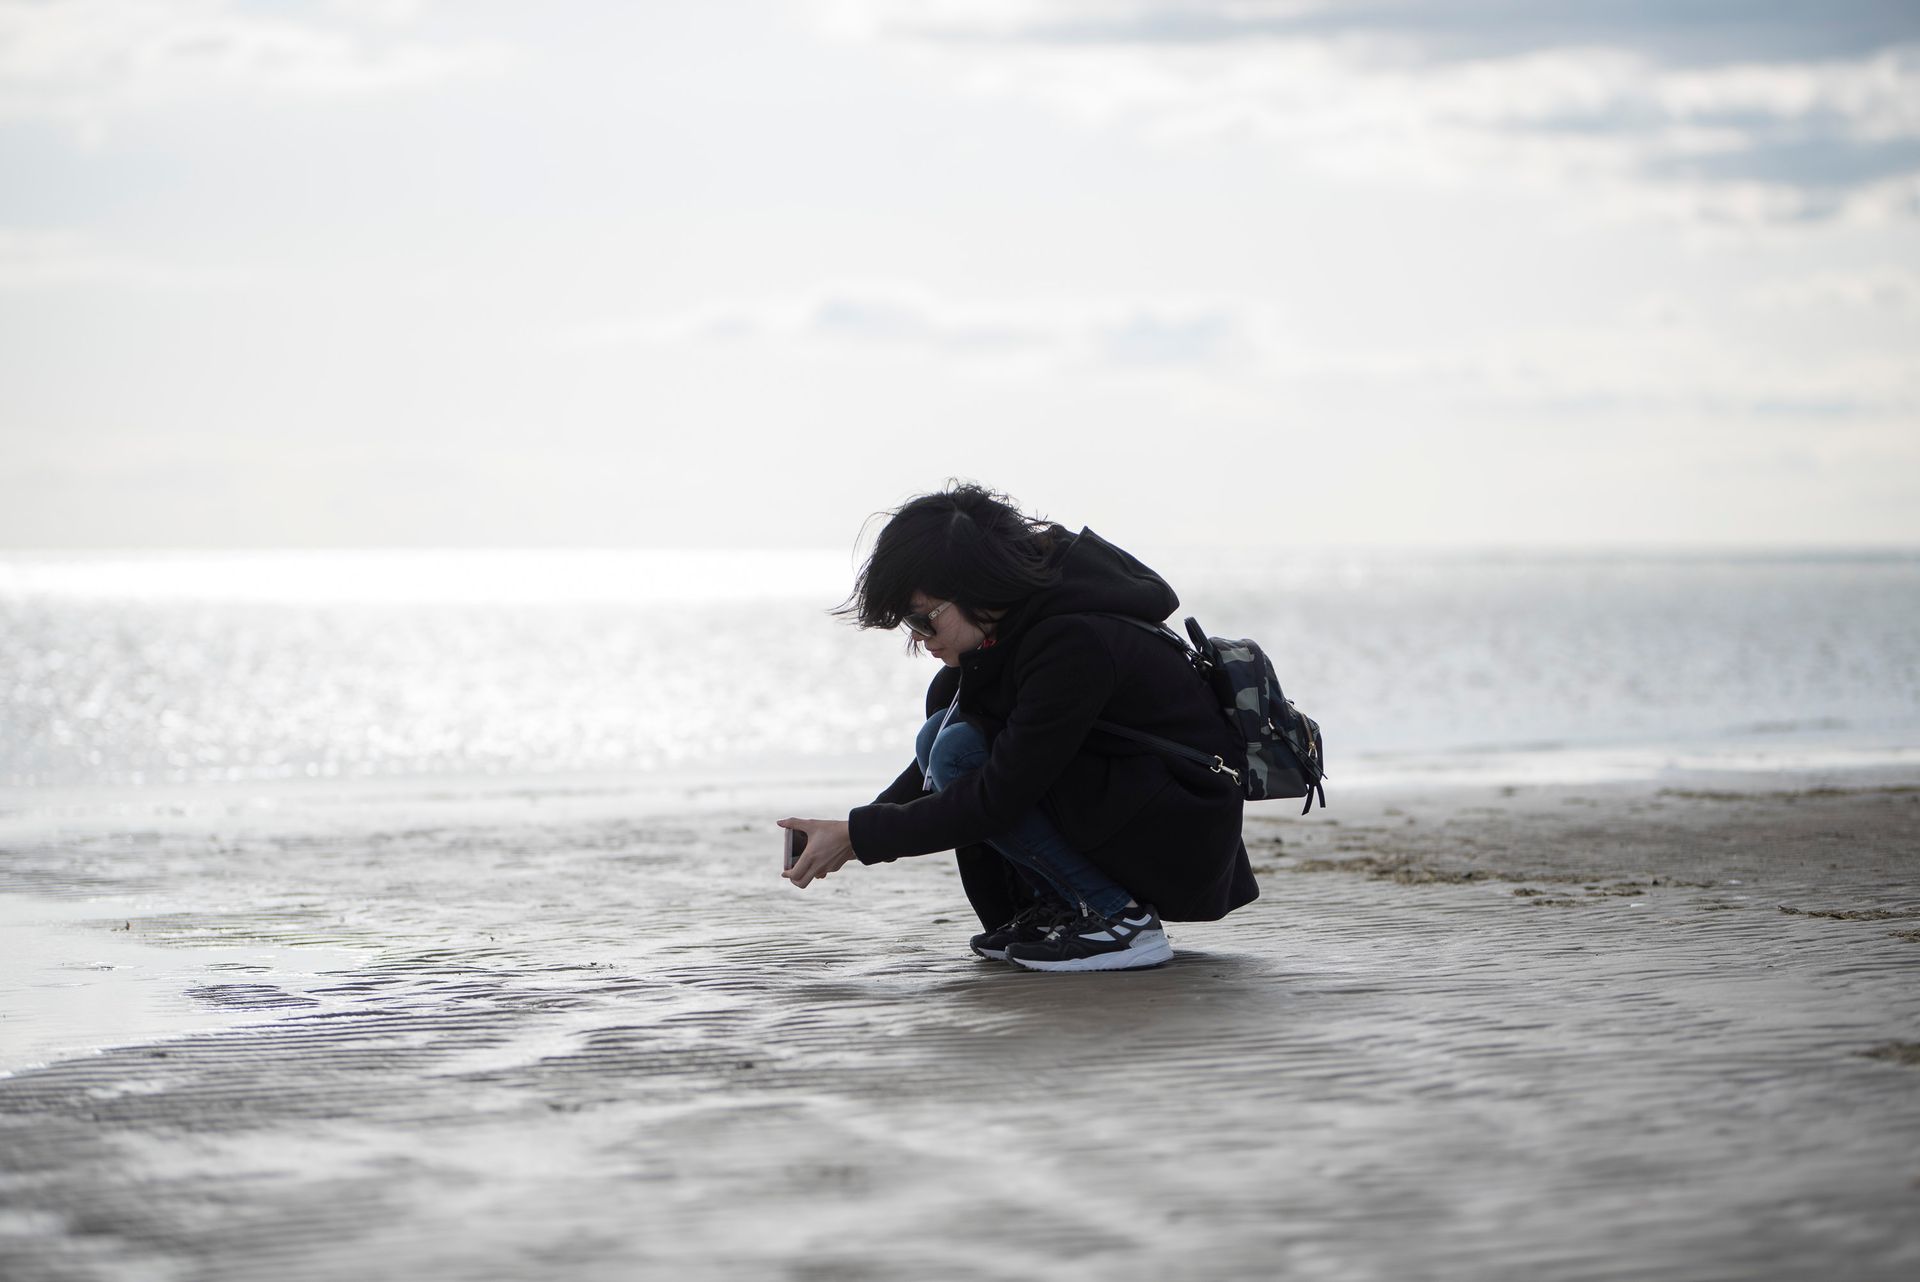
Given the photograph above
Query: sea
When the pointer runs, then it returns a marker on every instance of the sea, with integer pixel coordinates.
(555, 669)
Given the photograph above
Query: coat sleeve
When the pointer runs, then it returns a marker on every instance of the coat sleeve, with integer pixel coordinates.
(1063, 677)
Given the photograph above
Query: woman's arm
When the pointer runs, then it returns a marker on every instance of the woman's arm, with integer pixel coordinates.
(829, 844)
(1065, 676)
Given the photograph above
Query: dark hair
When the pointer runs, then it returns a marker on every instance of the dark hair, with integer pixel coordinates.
(964, 544)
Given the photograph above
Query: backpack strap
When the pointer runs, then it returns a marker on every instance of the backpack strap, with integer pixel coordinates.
(1212, 761)
(1160, 630)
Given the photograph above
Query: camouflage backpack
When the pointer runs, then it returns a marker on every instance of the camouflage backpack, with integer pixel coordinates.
(1284, 751)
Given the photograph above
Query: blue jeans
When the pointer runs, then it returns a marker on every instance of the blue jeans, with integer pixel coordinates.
(1034, 845)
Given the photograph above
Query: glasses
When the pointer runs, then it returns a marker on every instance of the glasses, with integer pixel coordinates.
(921, 625)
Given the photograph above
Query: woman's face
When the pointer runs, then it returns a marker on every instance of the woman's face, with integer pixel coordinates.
(953, 633)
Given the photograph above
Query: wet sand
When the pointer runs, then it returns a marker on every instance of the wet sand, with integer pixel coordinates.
(1634, 1031)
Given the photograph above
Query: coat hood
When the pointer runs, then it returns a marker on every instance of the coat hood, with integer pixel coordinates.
(1096, 578)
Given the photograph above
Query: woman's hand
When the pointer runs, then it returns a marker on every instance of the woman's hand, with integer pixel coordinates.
(828, 848)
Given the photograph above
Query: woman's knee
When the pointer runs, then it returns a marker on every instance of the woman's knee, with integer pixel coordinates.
(923, 741)
(957, 750)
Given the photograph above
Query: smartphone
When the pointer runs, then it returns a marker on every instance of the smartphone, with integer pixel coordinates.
(796, 842)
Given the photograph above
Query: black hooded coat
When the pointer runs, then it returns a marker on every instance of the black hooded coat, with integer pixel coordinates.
(1166, 829)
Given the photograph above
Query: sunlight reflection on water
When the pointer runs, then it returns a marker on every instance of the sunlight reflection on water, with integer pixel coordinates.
(120, 669)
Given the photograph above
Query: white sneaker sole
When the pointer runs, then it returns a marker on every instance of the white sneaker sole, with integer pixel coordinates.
(1154, 952)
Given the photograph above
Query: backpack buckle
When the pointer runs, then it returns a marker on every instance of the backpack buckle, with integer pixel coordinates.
(1220, 767)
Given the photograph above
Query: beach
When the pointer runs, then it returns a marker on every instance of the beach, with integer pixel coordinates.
(1664, 1028)
(468, 472)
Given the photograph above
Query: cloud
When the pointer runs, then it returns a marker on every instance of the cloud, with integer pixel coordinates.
(1673, 32)
(1886, 290)
(1731, 112)
(84, 62)
(1004, 334)
(1252, 352)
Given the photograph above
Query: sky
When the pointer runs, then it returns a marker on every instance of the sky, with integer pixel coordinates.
(1273, 273)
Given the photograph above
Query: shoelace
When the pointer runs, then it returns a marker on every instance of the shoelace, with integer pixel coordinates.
(1039, 914)
(1120, 926)
(1049, 919)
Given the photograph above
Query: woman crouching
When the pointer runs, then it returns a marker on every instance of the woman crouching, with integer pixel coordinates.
(1074, 843)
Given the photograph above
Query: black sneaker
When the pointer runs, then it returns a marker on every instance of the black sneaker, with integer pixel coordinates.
(1030, 925)
(1129, 940)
